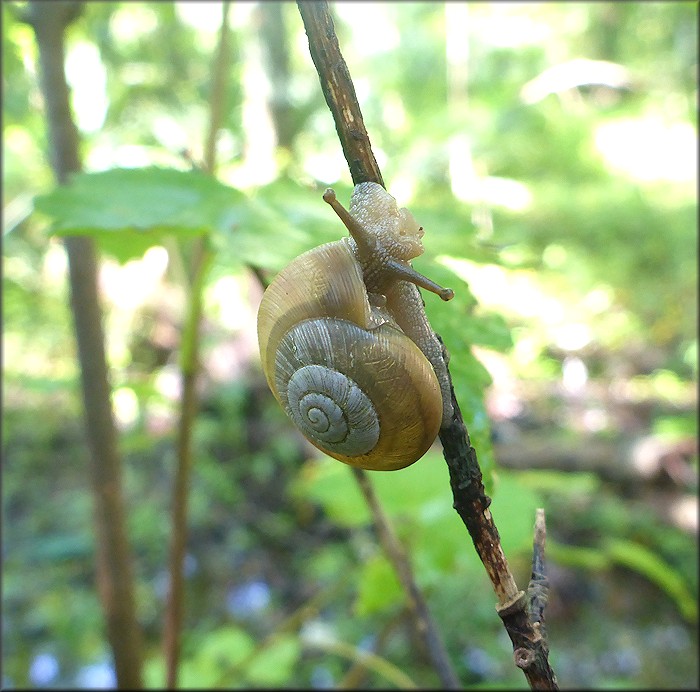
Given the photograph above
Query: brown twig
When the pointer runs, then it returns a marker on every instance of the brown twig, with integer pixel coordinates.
(189, 367)
(339, 91)
(340, 95)
(538, 588)
(470, 499)
(113, 556)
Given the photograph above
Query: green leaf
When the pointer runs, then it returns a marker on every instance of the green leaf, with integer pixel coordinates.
(640, 559)
(216, 658)
(279, 222)
(564, 483)
(228, 644)
(129, 209)
(320, 482)
(576, 556)
(414, 491)
(379, 587)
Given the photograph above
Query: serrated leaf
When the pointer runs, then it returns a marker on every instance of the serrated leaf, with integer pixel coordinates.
(129, 209)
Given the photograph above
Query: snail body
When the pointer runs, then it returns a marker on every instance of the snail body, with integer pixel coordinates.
(343, 344)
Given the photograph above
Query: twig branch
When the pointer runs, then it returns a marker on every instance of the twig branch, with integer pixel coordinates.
(113, 556)
(189, 368)
(217, 98)
(339, 91)
(342, 101)
(470, 499)
(366, 659)
(538, 588)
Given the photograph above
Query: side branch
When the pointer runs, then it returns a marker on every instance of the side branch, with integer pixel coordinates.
(189, 371)
(538, 588)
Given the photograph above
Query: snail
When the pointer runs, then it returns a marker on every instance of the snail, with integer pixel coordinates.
(346, 346)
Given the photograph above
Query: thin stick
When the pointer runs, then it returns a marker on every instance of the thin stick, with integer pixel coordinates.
(189, 368)
(339, 91)
(470, 499)
(471, 503)
(538, 588)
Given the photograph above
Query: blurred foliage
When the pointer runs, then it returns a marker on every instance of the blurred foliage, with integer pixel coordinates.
(548, 203)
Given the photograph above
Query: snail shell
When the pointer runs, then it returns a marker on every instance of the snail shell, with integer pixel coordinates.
(355, 385)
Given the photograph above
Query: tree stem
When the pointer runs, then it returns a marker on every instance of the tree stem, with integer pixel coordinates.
(340, 95)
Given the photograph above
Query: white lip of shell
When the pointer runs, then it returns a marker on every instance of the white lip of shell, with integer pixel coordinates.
(344, 419)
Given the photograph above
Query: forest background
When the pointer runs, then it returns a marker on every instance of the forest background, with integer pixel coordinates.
(550, 152)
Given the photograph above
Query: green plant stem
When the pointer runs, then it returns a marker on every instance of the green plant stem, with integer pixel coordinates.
(367, 659)
(189, 362)
(189, 368)
(355, 676)
(470, 499)
(113, 557)
(217, 99)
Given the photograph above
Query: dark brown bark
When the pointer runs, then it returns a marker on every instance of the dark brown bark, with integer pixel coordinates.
(114, 571)
(339, 91)
(470, 499)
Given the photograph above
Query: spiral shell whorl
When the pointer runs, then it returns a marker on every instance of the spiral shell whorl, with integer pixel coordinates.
(314, 365)
(329, 407)
(368, 398)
